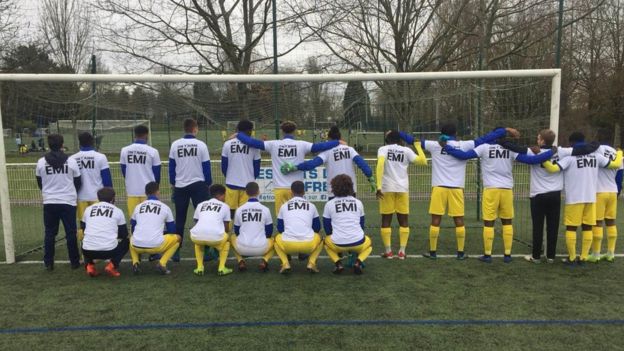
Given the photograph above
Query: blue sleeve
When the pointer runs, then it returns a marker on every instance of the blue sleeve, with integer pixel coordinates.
(359, 161)
(535, 159)
(107, 180)
(132, 224)
(618, 180)
(310, 165)
(491, 136)
(172, 171)
(362, 222)
(247, 140)
(318, 147)
(256, 165)
(268, 230)
(327, 226)
(224, 165)
(207, 172)
(280, 225)
(170, 227)
(316, 224)
(156, 171)
(123, 170)
(237, 230)
(462, 155)
(407, 138)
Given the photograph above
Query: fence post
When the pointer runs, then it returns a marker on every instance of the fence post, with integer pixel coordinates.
(5, 205)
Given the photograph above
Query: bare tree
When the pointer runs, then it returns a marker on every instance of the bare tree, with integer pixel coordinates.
(8, 12)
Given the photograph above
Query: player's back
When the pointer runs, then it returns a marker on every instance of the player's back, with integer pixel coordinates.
(58, 182)
(150, 216)
(240, 162)
(210, 216)
(339, 160)
(102, 222)
(286, 150)
(345, 214)
(397, 159)
(580, 174)
(606, 177)
(496, 165)
(446, 170)
(298, 215)
(188, 154)
(138, 159)
(252, 219)
(91, 164)
(543, 181)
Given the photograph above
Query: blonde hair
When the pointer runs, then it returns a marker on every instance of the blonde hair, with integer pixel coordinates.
(548, 136)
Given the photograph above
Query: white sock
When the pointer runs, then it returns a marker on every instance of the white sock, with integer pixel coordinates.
(402, 249)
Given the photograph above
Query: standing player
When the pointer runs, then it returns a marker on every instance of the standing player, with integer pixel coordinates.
(253, 228)
(140, 164)
(58, 178)
(240, 165)
(393, 188)
(448, 177)
(106, 234)
(497, 177)
(189, 174)
(343, 221)
(212, 222)
(299, 224)
(339, 160)
(94, 174)
(282, 151)
(152, 230)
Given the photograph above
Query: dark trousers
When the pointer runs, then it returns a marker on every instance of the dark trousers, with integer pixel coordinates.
(52, 215)
(547, 207)
(196, 192)
(115, 255)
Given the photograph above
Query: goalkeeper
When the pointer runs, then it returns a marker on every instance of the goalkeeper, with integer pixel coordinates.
(339, 160)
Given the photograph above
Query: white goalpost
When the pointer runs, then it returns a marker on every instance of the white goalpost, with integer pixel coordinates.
(217, 111)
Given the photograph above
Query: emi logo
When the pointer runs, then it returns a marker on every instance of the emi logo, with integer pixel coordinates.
(140, 159)
(346, 207)
(585, 162)
(155, 209)
(210, 207)
(88, 164)
(287, 151)
(49, 170)
(342, 155)
(498, 153)
(252, 216)
(101, 212)
(397, 157)
(187, 151)
(298, 206)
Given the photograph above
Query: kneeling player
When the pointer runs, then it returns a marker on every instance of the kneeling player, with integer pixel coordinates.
(253, 228)
(212, 221)
(150, 220)
(299, 224)
(343, 220)
(105, 234)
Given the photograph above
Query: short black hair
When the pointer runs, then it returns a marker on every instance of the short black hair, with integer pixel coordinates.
(297, 187)
(288, 127)
(605, 135)
(55, 142)
(334, 133)
(576, 137)
(189, 125)
(151, 188)
(342, 185)
(106, 194)
(86, 139)
(141, 131)
(448, 129)
(252, 189)
(216, 190)
(245, 126)
(393, 137)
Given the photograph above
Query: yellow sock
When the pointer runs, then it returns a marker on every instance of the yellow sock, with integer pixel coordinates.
(460, 234)
(597, 239)
(587, 238)
(224, 250)
(199, 256)
(404, 233)
(571, 244)
(134, 255)
(385, 238)
(507, 238)
(488, 239)
(611, 239)
(434, 233)
(168, 254)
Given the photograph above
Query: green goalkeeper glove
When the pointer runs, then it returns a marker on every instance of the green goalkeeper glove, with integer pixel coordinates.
(288, 167)
(373, 183)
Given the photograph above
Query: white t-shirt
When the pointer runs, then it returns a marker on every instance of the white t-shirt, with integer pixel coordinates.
(102, 222)
(58, 184)
(339, 160)
(496, 166)
(298, 214)
(345, 213)
(580, 174)
(286, 150)
(606, 177)
(446, 170)
(189, 154)
(395, 178)
(91, 164)
(210, 216)
(151, 217)
(139, 159)
(252, 218)
(543, 181)
(240, 162)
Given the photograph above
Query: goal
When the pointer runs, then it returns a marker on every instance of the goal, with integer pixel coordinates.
(418, 102)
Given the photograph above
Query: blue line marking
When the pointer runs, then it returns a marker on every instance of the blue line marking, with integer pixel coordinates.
(408, 322)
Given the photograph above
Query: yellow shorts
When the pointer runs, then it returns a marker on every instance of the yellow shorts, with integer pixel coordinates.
(81, 207)
(497, 203)
(442, 197)
(606, 206)
(134, 201)
(235, 198)
(293, 247)
(216, 244)
(170, 241)
(333, 250)
(281, 197)
(394, 203)
(577, 214)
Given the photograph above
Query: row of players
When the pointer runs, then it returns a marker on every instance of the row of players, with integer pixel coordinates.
(190, 171)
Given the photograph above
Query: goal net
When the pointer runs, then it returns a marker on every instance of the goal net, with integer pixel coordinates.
(363, 106)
